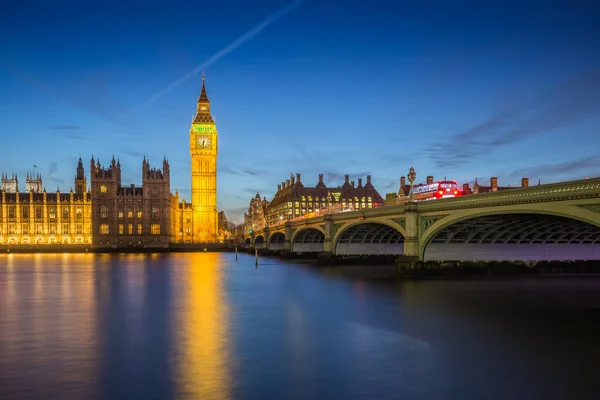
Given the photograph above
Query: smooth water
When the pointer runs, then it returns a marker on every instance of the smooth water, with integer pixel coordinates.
(204, 326)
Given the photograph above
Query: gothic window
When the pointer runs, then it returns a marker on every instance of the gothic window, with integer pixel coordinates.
(104, 229)
(78, 213)
(103, 211)
(11, 211)
(52, 230)
(52, 213)
(129, 213)
(155, 212)
(39, 229)
(139, 213)
(25, 212)
(65, 213)
(121, 229)
(65, 229)
(38, 212)
(103, 190)
(25, 229)
(11, 229)
(155, 229)
(120, 214)
(79, 229)
(139, 229)
(130, 229)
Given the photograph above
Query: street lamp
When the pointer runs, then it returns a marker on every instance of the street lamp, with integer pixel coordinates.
(412, 175)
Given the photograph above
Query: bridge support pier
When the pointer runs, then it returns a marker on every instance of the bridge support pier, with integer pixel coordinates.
(287, 243)
(411, 241)
(266, 235)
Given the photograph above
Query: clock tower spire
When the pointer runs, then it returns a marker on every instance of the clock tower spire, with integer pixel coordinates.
(203, 152)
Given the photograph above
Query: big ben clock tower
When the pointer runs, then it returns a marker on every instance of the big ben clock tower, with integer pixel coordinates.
(204, 150)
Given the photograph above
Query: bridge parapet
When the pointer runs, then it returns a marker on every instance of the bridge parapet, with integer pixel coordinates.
(585, 188)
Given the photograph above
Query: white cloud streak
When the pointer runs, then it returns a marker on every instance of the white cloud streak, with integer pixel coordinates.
(223, 52)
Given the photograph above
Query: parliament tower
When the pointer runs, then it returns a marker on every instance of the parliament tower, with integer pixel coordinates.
(204, 151)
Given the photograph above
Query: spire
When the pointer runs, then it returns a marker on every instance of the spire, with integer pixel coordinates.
(203, 96)
(203, 110)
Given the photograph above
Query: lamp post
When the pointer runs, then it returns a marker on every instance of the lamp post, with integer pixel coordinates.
(412, 175)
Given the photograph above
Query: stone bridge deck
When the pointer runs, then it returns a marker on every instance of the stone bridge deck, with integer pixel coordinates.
(558, 221)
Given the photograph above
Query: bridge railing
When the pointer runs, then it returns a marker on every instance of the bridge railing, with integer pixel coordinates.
(584, 188)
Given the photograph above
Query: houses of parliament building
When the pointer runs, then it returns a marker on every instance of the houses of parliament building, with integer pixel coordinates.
(109, 214)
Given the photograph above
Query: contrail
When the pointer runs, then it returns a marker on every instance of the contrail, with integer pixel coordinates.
(226, 50)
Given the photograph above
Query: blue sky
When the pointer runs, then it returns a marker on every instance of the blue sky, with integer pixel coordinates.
(461, 89)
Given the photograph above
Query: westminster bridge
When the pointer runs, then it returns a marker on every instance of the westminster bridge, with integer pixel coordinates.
(559, 221)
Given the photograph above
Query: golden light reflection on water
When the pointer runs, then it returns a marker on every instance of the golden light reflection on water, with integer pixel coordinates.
(48, 318)
(203, 337)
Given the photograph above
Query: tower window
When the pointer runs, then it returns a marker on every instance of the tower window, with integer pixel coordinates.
(155, 212)
(102, 189)
(155, 229)
(104, 229)
(103, 211)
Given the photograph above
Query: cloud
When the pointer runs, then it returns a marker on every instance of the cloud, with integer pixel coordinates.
(223, 52)
(581, 166)
(133, 154)
(98, 105)
(240, 172)
(52, 168)
(572, 101)
(65, 127)
(56, 180)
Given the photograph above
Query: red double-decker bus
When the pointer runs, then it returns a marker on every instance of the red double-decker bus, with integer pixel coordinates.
(435, 191)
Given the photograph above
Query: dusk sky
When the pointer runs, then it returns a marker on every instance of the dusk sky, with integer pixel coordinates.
(460, 89)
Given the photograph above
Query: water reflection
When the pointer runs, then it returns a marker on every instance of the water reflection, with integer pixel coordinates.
(135, 338)
(47, 322)
(203, 343)
(203, 326)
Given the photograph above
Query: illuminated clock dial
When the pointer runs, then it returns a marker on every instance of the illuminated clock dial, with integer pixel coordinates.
(203, 142)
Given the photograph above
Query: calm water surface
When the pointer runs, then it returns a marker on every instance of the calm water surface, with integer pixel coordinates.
(204, 326)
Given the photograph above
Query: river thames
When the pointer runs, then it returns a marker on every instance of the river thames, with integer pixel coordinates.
(205, 326)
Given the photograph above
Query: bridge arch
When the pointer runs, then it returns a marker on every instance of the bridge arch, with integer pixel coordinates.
(276, 241)
(382, 221)
(259, 242)
(308, 240)
(542, 234)
(369, 238)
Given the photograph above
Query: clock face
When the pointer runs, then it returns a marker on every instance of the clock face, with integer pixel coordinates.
(203, 142)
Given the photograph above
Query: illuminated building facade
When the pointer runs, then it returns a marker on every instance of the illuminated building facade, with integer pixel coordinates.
(204, 151)
(256, 217)
(38, 217)
(130, 215)
(293, 199)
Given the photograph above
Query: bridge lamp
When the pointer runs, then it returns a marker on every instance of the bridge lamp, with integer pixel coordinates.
(251, 231)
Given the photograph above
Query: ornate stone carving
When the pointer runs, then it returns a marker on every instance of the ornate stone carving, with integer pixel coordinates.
(426, 222)
(401, 222)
